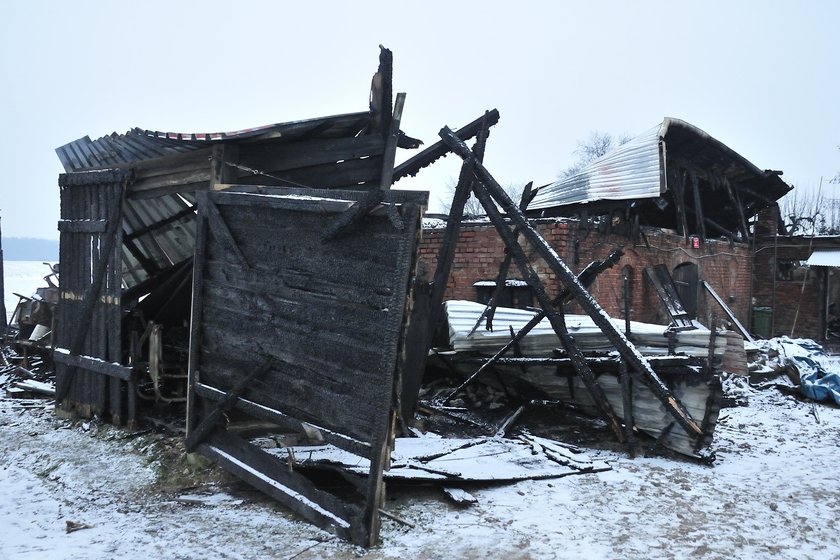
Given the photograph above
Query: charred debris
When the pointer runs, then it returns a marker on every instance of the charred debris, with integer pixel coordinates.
(265, 283)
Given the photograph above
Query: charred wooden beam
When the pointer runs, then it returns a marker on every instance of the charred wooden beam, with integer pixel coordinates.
(437, 150)
(347, 219)
(554, 316)
(501, 278)
(744, 332)
(698, 207)
(627, 405)
(598, 315)
(272, 476)
(446, 253)
(188, 211)
(96, 365)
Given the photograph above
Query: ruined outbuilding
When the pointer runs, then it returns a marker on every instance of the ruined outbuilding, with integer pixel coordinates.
(268, 279)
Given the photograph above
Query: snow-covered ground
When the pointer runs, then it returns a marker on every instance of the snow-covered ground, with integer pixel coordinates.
(772, 493)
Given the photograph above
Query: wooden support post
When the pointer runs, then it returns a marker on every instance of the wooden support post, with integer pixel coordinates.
(501, 277)
(627, 404)
(679, 199)
(592, 308)
(698, 207)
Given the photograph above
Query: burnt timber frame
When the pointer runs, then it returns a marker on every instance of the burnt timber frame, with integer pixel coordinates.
(488, 191)
(271, 271)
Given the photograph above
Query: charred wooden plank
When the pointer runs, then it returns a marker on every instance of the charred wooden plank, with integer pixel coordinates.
(95, 365)
(307, 153)
(272, 476)
(82, 226)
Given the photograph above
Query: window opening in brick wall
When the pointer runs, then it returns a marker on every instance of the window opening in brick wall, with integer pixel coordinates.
(516, 293)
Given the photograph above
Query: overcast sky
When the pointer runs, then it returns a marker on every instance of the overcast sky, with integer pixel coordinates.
(762, 77)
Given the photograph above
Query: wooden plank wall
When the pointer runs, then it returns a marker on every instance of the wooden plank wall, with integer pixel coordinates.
(90, 257)
(320, 317)
(330, 313)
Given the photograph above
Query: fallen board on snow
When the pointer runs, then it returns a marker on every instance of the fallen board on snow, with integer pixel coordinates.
(431, 459)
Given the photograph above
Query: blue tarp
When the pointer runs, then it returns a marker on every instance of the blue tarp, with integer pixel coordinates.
(818, 380)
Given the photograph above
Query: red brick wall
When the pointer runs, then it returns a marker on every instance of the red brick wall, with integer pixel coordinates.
(727, 268)
(798, 307)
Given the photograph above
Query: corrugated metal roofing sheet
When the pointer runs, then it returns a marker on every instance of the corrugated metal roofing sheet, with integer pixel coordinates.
(140, 145)
(635, 170)
(628, 172)
(825, 257)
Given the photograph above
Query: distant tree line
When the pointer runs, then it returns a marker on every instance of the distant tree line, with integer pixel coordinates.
(30, 249)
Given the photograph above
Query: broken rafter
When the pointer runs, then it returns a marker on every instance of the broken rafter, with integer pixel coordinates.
(598, 315)
(446, 254)
(437, 150)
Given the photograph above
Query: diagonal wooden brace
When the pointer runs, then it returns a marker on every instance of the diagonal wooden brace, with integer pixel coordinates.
(583, 297)
(202, 431)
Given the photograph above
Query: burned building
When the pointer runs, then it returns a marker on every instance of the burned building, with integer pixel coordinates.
(272, 282)
(673, 197)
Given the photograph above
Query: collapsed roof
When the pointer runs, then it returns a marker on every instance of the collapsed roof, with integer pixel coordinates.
(674, 176)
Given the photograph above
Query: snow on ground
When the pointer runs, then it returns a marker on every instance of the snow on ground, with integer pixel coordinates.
(773, 492)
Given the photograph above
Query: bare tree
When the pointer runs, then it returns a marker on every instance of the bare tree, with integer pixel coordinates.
(809, 212)
(473, 207)
(597, 145)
